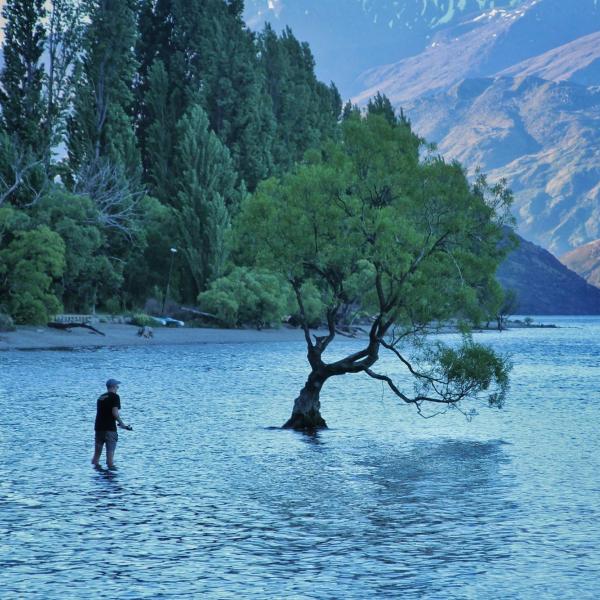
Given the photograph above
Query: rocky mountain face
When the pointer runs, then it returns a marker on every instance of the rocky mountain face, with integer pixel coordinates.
(585, 261)
(517, 93)
(545, 286)
(496, 42)
(542, 136)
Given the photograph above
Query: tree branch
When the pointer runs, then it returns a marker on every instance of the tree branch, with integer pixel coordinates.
(296, 287)
(19, 169)
(407, 364)
(114, 196)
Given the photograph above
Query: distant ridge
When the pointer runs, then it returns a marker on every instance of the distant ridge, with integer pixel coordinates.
(351, 36)
(545, 286)
(578, 61)
(585, 260)
(493, 43)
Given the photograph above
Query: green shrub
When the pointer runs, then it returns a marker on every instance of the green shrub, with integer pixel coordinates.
(113, 306)
(30, 263)
(246, 296)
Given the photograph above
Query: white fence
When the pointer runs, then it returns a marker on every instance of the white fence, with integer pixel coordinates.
(87, 319)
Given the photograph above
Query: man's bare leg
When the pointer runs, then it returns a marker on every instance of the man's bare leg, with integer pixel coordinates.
(110, 458)
(97, 454)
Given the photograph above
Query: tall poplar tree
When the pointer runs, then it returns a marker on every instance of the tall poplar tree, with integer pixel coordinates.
(66, 26)
(205, 195)
(218, 57)
(158, 141)
(22, 76)
(159, 95)
(306, 110)
(101, 128)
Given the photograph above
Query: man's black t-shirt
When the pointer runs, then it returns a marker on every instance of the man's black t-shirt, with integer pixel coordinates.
(104, 417)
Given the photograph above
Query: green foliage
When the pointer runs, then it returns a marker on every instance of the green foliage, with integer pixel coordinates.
(101, 125)
(216, 58)
(470, 369)
(314, 305)
(28, 266)
(159, 132)
(22, 175)
(206, 194)
(380, 105)
(113, 306)
(372, 222)
(160, 95)
(22, 74)
(190, 86)
(350, 111)
(246, 296)
(148, 263)
(306, 111)
(356, 213)
(11, 221)
(89, 278)
(65, 30)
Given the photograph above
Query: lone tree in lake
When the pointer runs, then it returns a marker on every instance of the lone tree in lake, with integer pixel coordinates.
(376, 220)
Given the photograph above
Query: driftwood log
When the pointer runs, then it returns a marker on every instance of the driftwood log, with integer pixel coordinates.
(68, 326)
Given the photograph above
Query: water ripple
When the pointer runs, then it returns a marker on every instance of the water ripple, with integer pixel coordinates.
(211, 501)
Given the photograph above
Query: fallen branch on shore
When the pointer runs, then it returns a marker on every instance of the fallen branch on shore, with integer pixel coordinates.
(69, 326)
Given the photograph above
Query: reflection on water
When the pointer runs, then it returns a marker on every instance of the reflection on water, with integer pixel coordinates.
(444, 500)
(209, 501)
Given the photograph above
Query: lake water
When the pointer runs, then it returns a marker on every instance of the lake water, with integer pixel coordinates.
(209, 502)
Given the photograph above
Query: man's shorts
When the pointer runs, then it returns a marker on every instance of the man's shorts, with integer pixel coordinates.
(107, 437)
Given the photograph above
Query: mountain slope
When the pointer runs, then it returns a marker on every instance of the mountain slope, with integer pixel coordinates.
(585, 261)
(545, 286)
(486, 45)
(517, 93)
(544, 137)
(577, 61)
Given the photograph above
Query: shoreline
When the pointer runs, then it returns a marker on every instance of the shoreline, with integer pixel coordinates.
(30, 338)
(121, 335)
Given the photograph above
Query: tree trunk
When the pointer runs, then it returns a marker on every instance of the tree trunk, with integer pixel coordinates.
(306, 415)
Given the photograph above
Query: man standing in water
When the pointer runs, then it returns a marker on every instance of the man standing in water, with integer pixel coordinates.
(107, 417)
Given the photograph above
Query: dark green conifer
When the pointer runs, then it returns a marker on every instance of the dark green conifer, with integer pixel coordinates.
(380, 105)
(158, 94)
(101, 127)
(22, 76)
(159, 133)
(206, 195)
(350, 110)
(65, 29)
(224, 75)
(306, 110)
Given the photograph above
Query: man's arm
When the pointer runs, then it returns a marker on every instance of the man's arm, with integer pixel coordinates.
(117, 416)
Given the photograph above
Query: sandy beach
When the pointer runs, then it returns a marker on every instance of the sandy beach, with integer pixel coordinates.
(44, 338)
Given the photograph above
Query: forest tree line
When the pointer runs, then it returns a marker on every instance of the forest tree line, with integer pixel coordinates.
(132, 126)
(129, 128)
